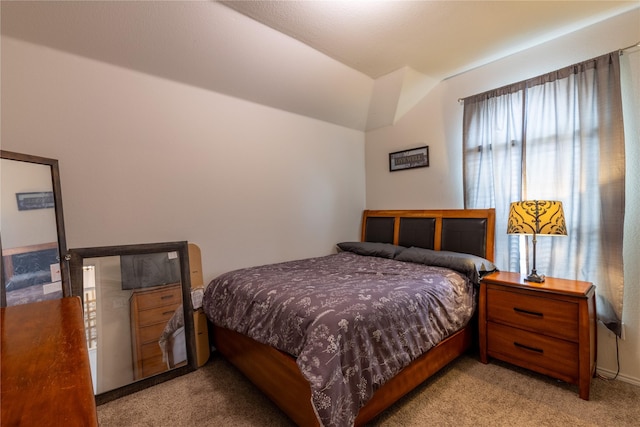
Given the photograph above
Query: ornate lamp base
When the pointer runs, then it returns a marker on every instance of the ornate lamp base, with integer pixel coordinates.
(534, 277)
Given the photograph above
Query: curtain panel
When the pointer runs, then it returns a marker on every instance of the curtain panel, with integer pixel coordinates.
(558, 136)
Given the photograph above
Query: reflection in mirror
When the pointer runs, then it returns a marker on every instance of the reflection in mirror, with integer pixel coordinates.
(32, 229)
(134, 314)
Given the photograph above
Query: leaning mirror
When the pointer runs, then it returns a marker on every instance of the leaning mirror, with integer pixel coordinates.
(32, 230)
(137, 300)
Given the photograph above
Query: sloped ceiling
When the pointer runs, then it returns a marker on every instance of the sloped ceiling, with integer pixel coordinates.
(358, 64)
(436, 38)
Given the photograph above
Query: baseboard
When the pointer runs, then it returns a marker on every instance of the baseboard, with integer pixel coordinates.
(610, 374)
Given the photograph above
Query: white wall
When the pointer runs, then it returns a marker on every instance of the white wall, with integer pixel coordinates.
(437, 122)
(143, 160)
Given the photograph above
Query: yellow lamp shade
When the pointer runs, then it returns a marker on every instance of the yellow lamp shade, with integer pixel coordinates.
(536, 217)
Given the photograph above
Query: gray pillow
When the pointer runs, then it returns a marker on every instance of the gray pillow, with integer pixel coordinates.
(472, 266)
(381, 250)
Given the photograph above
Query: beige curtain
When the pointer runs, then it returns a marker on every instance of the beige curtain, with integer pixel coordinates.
(558, 136)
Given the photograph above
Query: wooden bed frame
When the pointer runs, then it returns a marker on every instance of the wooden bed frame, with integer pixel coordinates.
(7, 255)
(276, 373)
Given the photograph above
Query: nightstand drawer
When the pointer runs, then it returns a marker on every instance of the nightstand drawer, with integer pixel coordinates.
(538, 314)
(533, 351)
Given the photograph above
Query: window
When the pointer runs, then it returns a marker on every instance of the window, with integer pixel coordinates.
(555, 137)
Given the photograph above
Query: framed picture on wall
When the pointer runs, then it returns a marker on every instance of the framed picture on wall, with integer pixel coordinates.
(35, 200)
(409, 159)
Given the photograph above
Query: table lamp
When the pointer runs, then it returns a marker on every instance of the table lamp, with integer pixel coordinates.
(534, 217)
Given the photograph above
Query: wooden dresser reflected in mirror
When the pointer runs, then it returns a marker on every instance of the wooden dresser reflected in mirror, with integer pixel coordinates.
(154, 349)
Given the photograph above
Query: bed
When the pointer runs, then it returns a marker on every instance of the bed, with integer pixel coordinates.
(172, 340)
(340, 355)
(29, 273)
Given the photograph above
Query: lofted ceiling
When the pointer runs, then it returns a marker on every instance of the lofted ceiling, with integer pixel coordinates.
(436, 38)
(343, 62)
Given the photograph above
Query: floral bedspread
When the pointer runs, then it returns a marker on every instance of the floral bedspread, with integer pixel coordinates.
(352, 322)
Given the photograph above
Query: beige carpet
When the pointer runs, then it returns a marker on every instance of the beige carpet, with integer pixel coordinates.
(466, 393)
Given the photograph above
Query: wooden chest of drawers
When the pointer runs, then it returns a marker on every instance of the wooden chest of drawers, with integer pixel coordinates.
(547, 327)
(151, 309)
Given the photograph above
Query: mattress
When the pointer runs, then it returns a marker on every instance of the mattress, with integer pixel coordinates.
(351, 322)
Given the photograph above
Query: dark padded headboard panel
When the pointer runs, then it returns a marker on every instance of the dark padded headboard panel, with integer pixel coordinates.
(418, 232)
(460, 230)
(379, 229)
(466, 235)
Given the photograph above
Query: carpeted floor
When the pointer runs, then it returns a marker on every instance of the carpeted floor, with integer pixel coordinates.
(465, 393)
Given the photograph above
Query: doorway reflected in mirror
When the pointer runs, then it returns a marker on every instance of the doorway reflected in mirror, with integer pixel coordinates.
(91, 320)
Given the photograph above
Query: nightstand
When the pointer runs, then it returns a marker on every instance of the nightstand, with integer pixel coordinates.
(547, 327)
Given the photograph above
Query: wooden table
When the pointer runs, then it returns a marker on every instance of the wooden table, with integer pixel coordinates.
(46, 376)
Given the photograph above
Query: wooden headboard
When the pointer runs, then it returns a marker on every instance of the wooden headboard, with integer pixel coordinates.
(469, 231)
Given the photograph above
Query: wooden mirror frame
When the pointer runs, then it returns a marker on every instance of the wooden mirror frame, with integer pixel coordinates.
(76, 261)
(57, 197)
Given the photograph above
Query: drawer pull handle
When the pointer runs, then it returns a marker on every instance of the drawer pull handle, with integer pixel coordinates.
(166, 297)
(526, 347)
(532, 313)
(167, 312)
